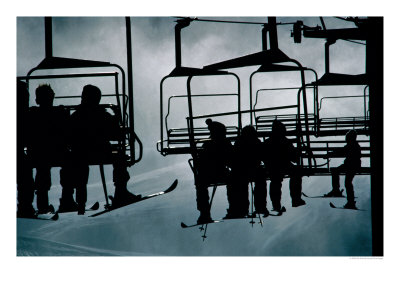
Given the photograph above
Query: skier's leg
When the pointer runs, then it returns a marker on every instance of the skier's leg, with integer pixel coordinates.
(260, 192)
(335, 192)
(350, 189)
(295, 185)
(121, 177)
(67, 202)
(43, 184)
(203, 206)
(25, 187)
(275, 191)
(82, 176)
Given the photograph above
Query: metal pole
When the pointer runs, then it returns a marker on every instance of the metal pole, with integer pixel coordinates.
(48, 33)
(130, 86)
(374, 68)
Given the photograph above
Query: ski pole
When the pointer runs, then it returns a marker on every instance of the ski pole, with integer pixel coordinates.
(212, 198)
(252, 206)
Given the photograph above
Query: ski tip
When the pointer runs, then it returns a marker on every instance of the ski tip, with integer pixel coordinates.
(55, 217)
(173, 186)
(331, 205)
(95, 206)
(183, 225)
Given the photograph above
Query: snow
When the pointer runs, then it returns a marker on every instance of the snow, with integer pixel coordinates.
(152, 227)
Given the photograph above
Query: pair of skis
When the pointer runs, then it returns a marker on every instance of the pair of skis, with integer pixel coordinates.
(54, 216)
(331, 204)
(278, 214)
(109, 208)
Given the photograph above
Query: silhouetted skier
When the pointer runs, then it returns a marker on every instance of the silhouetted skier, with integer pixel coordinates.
(48, 145)
(350, 167)
(213, 167)
(246, 167)
(92, 129)
(25, 185)
(279, 156)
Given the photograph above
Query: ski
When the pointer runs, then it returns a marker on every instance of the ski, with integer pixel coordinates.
(323, 196)
(334, 206)
(183, 225)
(45, 217)
(94, 207)
(110, 208)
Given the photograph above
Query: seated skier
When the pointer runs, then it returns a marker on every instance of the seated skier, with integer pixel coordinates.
(350, 166)
(213, 167)
(246, 167)
(279, 157)
(92, 128)
(48, 147)
(25, 185)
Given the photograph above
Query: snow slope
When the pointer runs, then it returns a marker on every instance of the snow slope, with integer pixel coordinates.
(152, 227)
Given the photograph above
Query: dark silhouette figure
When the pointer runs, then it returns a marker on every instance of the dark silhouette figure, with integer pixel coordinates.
(47, 144)
(279, 159)
(92, 129)
(246, 167)
(25, 185)
(213, 167)
(350, 167)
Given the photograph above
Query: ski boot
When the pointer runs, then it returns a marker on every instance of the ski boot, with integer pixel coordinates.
(26, 211)
(67, 205)
(298, 202)
(350, 205)
(122, 197)
(205, 217)
(46, 210)
(81, 209)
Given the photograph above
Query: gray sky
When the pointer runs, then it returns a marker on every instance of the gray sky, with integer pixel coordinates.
(203, 43)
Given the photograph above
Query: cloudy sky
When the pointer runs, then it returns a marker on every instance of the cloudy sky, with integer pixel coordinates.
(203, 43)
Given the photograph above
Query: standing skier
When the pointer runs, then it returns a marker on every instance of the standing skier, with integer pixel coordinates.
(279, 159)
(246, 167)
(214, 161)
(350, 166)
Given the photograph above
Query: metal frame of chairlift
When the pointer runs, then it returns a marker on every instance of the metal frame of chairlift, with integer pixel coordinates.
(286, 119)
(269, 60)
(123, 112)
(329, 127)
(180, 140)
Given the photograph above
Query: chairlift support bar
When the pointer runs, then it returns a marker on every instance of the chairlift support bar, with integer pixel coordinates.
(29, 77)
(243, 111)
(194, 96)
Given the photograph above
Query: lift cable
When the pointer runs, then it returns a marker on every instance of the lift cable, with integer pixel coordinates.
(230, 21)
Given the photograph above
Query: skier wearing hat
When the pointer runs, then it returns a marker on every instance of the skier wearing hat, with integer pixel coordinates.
(279, 156)
(246, 167)
(214, 160)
